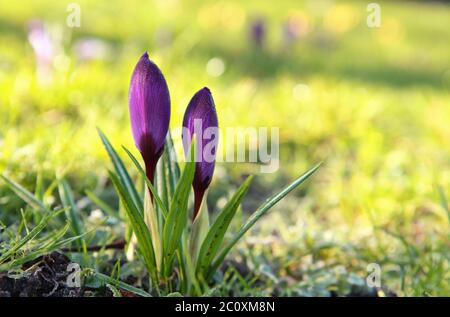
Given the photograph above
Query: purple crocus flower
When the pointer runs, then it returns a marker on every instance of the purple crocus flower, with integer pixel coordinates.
(91, 48)
(44, 47)
(149, 104)
(258, 32)
(41, 41)
(200, 119)
(290, 32)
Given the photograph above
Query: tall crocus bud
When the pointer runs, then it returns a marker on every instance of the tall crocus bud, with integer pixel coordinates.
(149, 104)
(200, 119)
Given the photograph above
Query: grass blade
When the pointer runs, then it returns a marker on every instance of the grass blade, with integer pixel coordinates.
(30, 236)
(24, 194)
(72, 212)
(215, 235)
(119, 284)
(39, 190)
(102, 204)
(444, 202)
(269, 203)
(44, 247)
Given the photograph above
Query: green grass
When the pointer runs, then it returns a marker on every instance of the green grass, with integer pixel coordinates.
(372, 103)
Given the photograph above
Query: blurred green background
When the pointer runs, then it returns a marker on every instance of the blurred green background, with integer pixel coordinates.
(373, 103)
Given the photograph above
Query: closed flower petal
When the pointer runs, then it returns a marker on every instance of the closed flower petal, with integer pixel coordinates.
(149, 105)
(200, 119)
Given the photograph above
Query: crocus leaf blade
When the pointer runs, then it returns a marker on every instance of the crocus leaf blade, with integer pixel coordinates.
(216, 233)
(153, 190)
(139, 227)
(161, 180)
(172, 167)
(177, 217)
(121, 171)
(269, 203)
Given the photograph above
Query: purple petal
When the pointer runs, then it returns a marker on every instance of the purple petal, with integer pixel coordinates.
(149, 105)
(200, 119)
(258, 31)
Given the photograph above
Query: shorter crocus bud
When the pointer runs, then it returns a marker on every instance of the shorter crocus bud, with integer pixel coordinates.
(200, 119)
(149, 105)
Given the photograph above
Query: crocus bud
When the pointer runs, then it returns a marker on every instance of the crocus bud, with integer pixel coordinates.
(200, 119)
(149, 104)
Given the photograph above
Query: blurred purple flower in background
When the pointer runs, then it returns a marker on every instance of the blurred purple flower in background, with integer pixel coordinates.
(200, 119)
(91, 48)
(149, 105)
(258, 32)
(291, 31)
(43, 47)
(295, 27)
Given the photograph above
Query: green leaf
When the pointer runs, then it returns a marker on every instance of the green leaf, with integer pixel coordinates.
(44, 246)
(139, 227)
(176, 221)
(61, 243)
(24, 194)
(184, 281)
(199, 230)
(172, 165)
(102, 204)
(39, 190)
(72, 212)
(151, 219)
(189, 267)
(109, 280)
(121, 171)
(156, 197)
(269, 203)
(161, 180)
(215, 235)
(30, 236)
(444, 202)
(114, 290)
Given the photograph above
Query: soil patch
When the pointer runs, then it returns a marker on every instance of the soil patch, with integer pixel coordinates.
(45, 276)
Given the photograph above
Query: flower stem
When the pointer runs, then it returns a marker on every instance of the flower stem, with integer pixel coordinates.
(200, 228)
